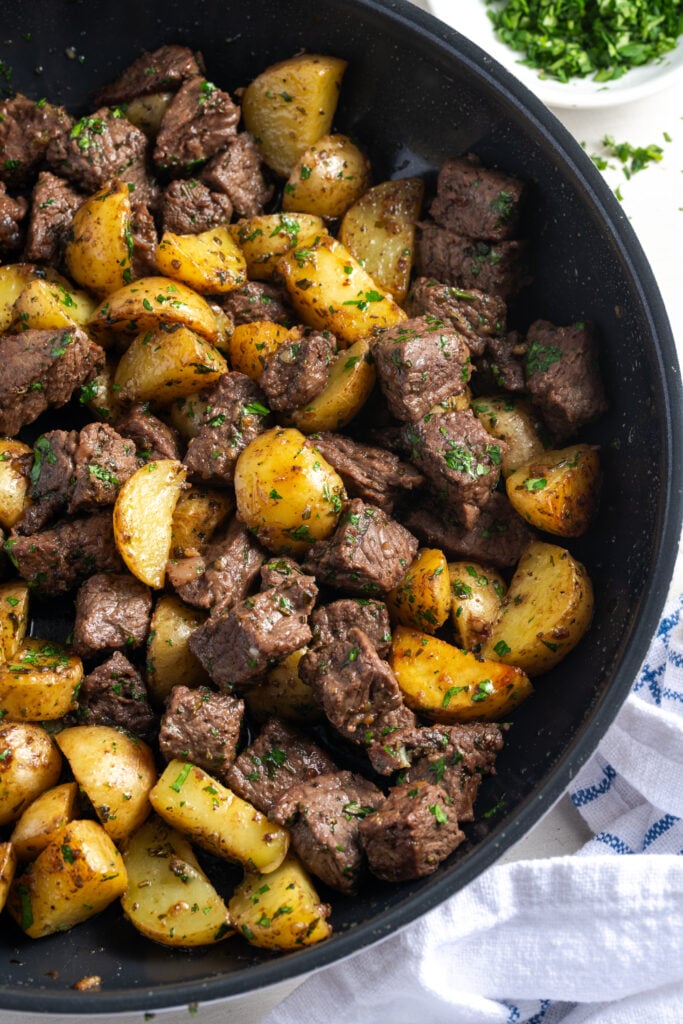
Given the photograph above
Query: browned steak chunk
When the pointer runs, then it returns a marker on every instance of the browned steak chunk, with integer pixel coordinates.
(112, 611)
(114, 694)
(42, 369)
(202, 727)
(498, 267)
(258, 300)
(103, 461)
(333, 621)
(53, 204)
(237, 172)
(99, 148)
(460, 460)
(51, 479)
(200, 121)
(279, 758)
(144, 236)
(420, 362)
(224, 572)
(153, 439)
(12, 213)
(298, 371)
(26, 128)
(375, 475)
(323, 817)
(503, 365)
(160, 71)
(238, 644)
(475, 314)
(188, 208)
(476, 201)
(563, 377)
(276, 570)
(368, 553)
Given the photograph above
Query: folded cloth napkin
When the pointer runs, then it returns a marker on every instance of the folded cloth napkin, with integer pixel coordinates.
(593, 937)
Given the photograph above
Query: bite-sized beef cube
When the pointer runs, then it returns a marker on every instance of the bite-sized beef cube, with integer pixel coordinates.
(563, 377)
(26, 128)
(258, 300)
(144, 236)
(114, 694)
(333, 621)
(502, 366)
(475, 315)
(236, 645)
(42, 369)
(200, 121)
(224, 573)
(237, 173)
(323, 817)
(413, 831)
(113, 610)
(460, 460)
(358, 691)
(99, 148)
(202, 727)
(188, 208)
(368, 553)
(12, 213)
(277, 570)
(373, 474)
(53, 204)
(476, 201)
(51, 479)
(499, 537)
(420, 362)
(298, 371)
(152, 438)
(57, 560)
(236, 413)
(498, 267)
(161, 70)
(279, 758)
(103, 461)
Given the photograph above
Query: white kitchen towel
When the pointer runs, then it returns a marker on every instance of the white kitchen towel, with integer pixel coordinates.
(593, 938)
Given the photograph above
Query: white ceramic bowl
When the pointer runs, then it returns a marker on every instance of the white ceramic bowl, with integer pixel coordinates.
(471, 19)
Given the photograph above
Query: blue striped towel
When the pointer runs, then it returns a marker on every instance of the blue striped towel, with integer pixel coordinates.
(592, 938)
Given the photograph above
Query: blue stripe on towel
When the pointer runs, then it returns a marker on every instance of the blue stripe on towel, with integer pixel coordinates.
(590, 793)
(658, 829)
(614, 842)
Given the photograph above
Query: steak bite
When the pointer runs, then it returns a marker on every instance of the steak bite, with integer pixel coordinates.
(562, 376)
(333, 621)
(51, 479)
(98, 148)
(103, 461)
(279, 758)
(53, 205)
(277, 570)
(411, 833)
(498, 267)
(114, 694)
(12, 213)
(222, 574)
(161, 70)
(153, 439)
(368, 553)
(202, 727)
(200, 121)
(236, 645)
(476, 201)
(460, 460)
(298, 371)
(42, 369)
(237, 174)
(258, 300)
(475, 315)
(26, 128)
(502, 365)
(420, 362)
(375, 475)
(188, 208)
(323, 817)
(112, 611)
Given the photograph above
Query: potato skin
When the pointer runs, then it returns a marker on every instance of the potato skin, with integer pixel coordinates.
(476, 594)
(266, 237)
(15, 470)
(558, 490)
(513, 420)
(43, 818)
(349, 386)
(422, 599)
(250, 344)
(164, 365)
(327, 178)
(100, 251)
(170, 662)
(8, 867)
(29, 764)
(40, 682)
(148, 303)
(211, 262)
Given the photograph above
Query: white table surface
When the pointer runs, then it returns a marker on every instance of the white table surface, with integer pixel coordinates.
(653, 200)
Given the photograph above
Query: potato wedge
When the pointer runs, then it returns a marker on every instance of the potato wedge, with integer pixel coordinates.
(29, 764)
(143, 519)
(99, 253)
(285, 694)
(116, 771)
(202, 808)
(14, 277)
(290, 105)
(163, 365)
(513, 420)
(16, 460)
(147, 112)
(545, 612)
(211, 262)
(170, 662)
(148, 303)
(13, 616)
(40, 682)
(79, 874)
(280, 910)
(327, 178)
(265, 238)
(188, 414)
(8, 867)
(100, 395)
(50, 305)
(330, 290)
(422, 599)
(445, 684)
(349, 385)
(169, 898)
(250, 344)
(558, 490)
(43, 818)
(379, 229)
(197, 515)
(287, 494)
(476, 595)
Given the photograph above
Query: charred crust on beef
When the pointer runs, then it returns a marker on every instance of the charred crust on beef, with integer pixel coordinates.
(200, 121)
(112, 611)
(297, 371)
(375, 475)
(223, 573)
(161, 70)
(476, 315)
(203, 727)
(332, 622)
(477, 201)
(114, 694)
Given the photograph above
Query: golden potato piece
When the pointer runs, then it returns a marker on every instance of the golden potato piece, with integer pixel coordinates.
(99, 252)
(187, 415)
(287, 494)
(50, 305)
(558, 490)
(79, 874)
(162, 365)
(445, 684)
(148, 303)
(290, 105)
(168, 897)
(16, 460)
(143, 519)
(327, 178)
(544, 614)
(211, 262)
(170, 662)
(29, 764)
(147, 112)
(206, 811)
(266, 237)
(284, 694)
(39, 682)
(349, 385)
(100, 394)
(43, 818)
(14, 277)
(379, 229)
(8, 867)
(513, 420)
(476, 594)
(422, 599)
(250, 344)
(116, 771)
(198, 514)
(280, 910)
(13, 615)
